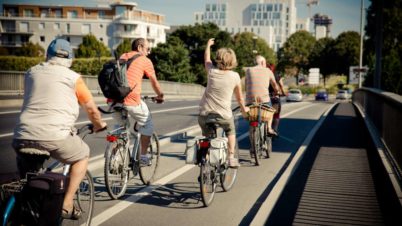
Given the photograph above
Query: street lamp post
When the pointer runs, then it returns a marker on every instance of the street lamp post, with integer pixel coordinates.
(361, 45)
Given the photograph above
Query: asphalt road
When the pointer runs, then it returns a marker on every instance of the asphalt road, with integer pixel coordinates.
(175, 199)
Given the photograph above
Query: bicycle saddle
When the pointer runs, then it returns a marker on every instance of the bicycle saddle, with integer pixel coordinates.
(33, 151)
(118, 108)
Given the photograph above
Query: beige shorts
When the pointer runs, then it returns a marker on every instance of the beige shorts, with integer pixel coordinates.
(69, 150)
(226, 124)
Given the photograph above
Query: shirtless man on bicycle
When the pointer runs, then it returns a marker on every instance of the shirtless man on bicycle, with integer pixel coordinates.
(52, 95)
(258, 80)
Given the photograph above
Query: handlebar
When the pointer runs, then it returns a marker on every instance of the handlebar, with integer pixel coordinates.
(88, 129)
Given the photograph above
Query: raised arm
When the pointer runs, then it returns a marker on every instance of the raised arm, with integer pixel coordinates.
(207, 54)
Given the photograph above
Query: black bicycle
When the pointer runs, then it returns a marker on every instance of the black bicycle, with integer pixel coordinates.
(23, 205)
(120, 159)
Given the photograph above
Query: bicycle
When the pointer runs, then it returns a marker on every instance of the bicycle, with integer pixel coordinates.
(23, 208)
(119, 160)
(261, 142)
(212, 159)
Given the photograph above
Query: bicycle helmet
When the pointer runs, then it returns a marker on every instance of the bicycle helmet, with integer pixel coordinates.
(60, 48)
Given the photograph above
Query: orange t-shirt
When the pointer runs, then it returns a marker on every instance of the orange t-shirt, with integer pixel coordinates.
(82, 91)
(138, 68)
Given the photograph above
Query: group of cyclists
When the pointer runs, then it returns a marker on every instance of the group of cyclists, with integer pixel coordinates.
(53, 93)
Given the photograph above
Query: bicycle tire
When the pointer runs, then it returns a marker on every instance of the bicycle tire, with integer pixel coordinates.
(117, 160)
(228, 176)
(84, 199)
(147, 173)
(207, 184)
(256, 144)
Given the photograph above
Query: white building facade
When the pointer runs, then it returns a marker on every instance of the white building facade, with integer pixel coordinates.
(272, 20)
(110, 24)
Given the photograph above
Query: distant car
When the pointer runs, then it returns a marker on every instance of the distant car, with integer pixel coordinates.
(342, 94)
(321, 95)
(294, 95)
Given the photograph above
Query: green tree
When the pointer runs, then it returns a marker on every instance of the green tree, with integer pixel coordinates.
(194, 39)
(91, 47)
(322, 56)
(172, 62)
(244, 44)
(30, 50)
(346, 52)
(391, 29)
(294, 55)
(124, 47)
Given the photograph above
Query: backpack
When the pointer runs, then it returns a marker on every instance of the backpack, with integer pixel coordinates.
(113, 79)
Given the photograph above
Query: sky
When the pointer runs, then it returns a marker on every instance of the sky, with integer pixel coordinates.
(345, 14)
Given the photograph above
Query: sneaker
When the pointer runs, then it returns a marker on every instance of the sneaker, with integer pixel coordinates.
(234, 163)
(145, 161)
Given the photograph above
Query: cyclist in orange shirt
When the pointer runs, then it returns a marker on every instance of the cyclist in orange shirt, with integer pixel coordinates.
(137, 109)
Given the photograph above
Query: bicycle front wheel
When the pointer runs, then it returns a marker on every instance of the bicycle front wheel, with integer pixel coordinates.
(116, 169)
(255, 143)
(84, 200)
(207, 183)
(228, 176)
(148, 171)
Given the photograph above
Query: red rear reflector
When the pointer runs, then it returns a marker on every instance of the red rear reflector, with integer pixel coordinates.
(111, 138)
(204, 144)
(254, 124)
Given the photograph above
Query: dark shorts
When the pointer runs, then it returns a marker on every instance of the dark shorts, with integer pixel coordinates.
(276, 103)
(226, 124)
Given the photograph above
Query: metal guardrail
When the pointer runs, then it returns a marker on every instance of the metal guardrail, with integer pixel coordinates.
(384, 109)
(13, 82)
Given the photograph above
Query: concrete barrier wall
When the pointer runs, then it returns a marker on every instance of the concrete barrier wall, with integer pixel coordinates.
(12, 82)
(384, 110)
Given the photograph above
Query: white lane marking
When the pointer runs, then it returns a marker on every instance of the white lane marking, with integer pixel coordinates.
(110, 118)
(269, 203)
(117, 208)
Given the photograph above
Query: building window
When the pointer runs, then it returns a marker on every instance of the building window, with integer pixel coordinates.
(280, 7)
(101, 39)
(68, 39)
(207, 7)
(44, 13)
(42, 38)
(68, 28)
(57, 13)
(269, 7)
(72, 14)
(101, 14)
(24, 39)
(41, 26)
(100, 25)
(28, 13)
(24, 26)
(213, 7)
(56, 26)
(253, 7)
(223, 7)
(86, 28)
(148, 30)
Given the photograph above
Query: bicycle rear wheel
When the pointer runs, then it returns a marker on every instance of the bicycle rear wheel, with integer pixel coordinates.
(207, 183)
(84, 200)
(228, 176)
(116, 169)
(147, 172)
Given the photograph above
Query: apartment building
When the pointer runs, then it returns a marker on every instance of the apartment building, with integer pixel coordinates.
(272, 20)
(110, 23)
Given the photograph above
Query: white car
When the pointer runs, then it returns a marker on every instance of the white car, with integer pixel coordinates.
(342, 94)
(294, 95)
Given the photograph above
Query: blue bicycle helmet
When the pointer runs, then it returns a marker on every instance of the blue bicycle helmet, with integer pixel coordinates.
(60, 48)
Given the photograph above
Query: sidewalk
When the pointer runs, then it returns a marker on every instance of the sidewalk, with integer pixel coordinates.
(337, 181)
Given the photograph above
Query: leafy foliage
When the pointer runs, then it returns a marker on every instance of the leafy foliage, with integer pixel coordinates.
(173, 63)
(346, 52)
(244, 44)
(124, 47)
(294, 55)
(30, 50)
(16, 63)
(91, 47)
(391, 29)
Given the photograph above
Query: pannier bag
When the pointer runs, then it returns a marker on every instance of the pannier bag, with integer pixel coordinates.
(217, 150)
(49, 189)
(192, 150)
(112, 79)
(265, 112)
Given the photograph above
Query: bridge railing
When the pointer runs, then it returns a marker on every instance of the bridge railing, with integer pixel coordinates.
(384, 110)
(12, 82)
